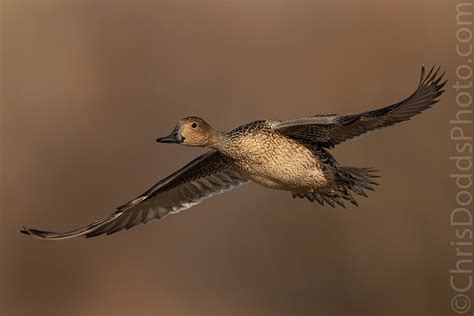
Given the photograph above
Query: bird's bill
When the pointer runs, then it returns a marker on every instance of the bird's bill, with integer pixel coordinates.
(175, 137)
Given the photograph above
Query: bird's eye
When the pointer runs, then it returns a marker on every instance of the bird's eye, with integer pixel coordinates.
(194, 125)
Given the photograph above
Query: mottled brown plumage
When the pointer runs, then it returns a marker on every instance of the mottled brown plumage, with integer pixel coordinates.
(284, 155)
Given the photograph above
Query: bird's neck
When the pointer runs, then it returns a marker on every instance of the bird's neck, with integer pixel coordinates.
(215, 139)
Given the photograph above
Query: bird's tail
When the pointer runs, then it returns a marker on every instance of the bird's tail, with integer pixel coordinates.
(348, 180)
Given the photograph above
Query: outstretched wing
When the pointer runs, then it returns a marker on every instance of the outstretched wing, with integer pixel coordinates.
(209, 174)
(332, 129)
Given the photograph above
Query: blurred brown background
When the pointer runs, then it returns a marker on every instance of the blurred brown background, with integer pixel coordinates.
(86, 88)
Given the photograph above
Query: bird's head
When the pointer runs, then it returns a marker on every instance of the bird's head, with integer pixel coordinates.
(192, 131)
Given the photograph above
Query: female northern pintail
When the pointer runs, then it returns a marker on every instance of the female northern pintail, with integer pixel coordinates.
(285, 155)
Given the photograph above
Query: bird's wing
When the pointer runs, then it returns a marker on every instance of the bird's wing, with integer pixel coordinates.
(332, 129)
(208, 174)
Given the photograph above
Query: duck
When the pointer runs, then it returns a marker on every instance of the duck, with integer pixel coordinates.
(287, 155)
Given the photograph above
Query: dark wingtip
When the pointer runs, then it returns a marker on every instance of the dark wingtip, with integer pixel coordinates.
(423, 70)
(25, 231)
(433, 76)
(34, 232)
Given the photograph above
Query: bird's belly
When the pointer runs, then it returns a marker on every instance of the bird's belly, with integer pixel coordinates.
(284, 178)
(282, 164)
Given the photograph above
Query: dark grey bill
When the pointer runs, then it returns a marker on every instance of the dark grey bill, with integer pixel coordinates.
(174, 137)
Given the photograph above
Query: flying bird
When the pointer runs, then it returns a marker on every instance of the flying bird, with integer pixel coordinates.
(285, 155)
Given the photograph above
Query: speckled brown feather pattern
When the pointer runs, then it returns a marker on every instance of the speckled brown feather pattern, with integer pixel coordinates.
(285, 155)
(272, 159)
